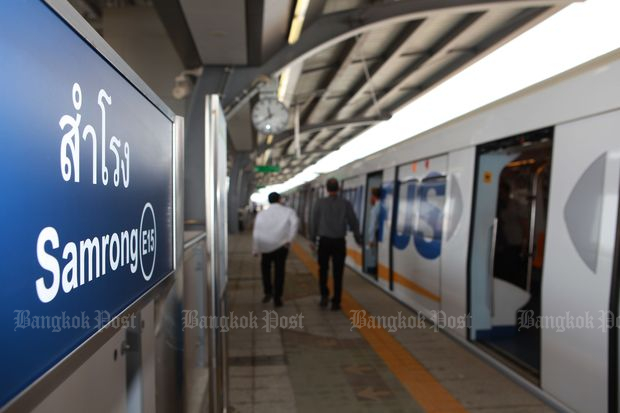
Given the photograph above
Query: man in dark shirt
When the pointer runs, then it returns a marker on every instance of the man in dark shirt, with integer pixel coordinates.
(330, 218)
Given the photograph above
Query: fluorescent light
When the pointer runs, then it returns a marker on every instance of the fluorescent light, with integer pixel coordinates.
(297, 24)
(550, 48)
(298, 20)
(283, 84)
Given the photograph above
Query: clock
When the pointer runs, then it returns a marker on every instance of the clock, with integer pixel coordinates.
(269, 116)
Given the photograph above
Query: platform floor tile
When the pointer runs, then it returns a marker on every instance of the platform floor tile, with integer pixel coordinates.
(330, 366)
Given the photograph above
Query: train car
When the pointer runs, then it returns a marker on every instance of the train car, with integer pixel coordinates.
(509, 215)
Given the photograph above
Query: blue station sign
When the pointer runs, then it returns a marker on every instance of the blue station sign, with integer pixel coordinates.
(87, 192)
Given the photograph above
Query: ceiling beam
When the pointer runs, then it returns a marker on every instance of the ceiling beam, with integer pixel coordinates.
(173, 19)
(89, 10)
(254, 34)
(441, 48)
(335, 137)
(333, 28)
(315, 10)
(330, 29)
(334, 66)
(516, 26)
(520, 23)
(346, 57)
(350, 51)
(307, 153)
(391, 54)
(336, 124)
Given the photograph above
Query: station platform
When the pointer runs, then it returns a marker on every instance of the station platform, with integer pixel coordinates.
(328, 365)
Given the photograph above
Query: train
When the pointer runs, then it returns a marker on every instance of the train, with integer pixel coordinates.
(508, 215)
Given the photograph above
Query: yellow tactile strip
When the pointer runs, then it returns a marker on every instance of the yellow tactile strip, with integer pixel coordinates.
(420, 384)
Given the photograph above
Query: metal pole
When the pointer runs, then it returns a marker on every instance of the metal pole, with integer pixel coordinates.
(178, 225)
(222, 245)
(297, 137)
(532, 234)
(211, 248)
(178, 191)
(217, 245)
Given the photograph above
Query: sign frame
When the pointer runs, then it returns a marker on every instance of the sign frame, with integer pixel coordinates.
(29, 397)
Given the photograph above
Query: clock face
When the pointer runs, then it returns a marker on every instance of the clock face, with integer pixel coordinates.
(269, 116)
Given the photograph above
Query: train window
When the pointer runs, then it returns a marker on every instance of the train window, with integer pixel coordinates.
(428, 221)
(404, 213)
(419, 214)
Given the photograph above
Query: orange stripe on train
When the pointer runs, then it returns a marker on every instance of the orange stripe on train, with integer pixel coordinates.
(384, 273)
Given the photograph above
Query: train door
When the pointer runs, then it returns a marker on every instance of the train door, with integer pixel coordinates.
(614, 332)
(308, 205)
(371, 224)
(579, 263)
(418, 231)
(507, 248)
(384, 235)
(353, 191)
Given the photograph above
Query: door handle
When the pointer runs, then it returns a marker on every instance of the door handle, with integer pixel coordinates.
(490, 296)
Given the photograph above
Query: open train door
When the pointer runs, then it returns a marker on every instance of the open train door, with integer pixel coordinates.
(507, 248)
(371, 224)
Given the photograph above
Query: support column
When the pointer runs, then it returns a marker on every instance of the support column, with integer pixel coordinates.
(208, 83)
(236, 191)
(217, 247)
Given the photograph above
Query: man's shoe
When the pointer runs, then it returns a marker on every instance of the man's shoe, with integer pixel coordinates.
(324, 301)
(335, 307)
(277, 303)
(267, 298)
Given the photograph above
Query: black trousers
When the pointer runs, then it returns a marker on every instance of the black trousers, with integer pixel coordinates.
(334, 248)
(278, 259)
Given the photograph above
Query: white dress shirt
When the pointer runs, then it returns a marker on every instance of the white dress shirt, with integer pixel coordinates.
(273, 228)
(373, 222)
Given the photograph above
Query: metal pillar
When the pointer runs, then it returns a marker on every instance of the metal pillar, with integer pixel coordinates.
(247, 187)
(236, 190)
(217, 246)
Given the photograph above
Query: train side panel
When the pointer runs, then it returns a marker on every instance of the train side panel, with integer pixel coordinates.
(418, 231)
(579, 260)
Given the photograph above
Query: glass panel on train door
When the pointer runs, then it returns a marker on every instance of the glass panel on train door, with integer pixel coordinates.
(507, 249)
(371, 223)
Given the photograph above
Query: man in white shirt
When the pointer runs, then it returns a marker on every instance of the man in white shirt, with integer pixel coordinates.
(274, 230)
